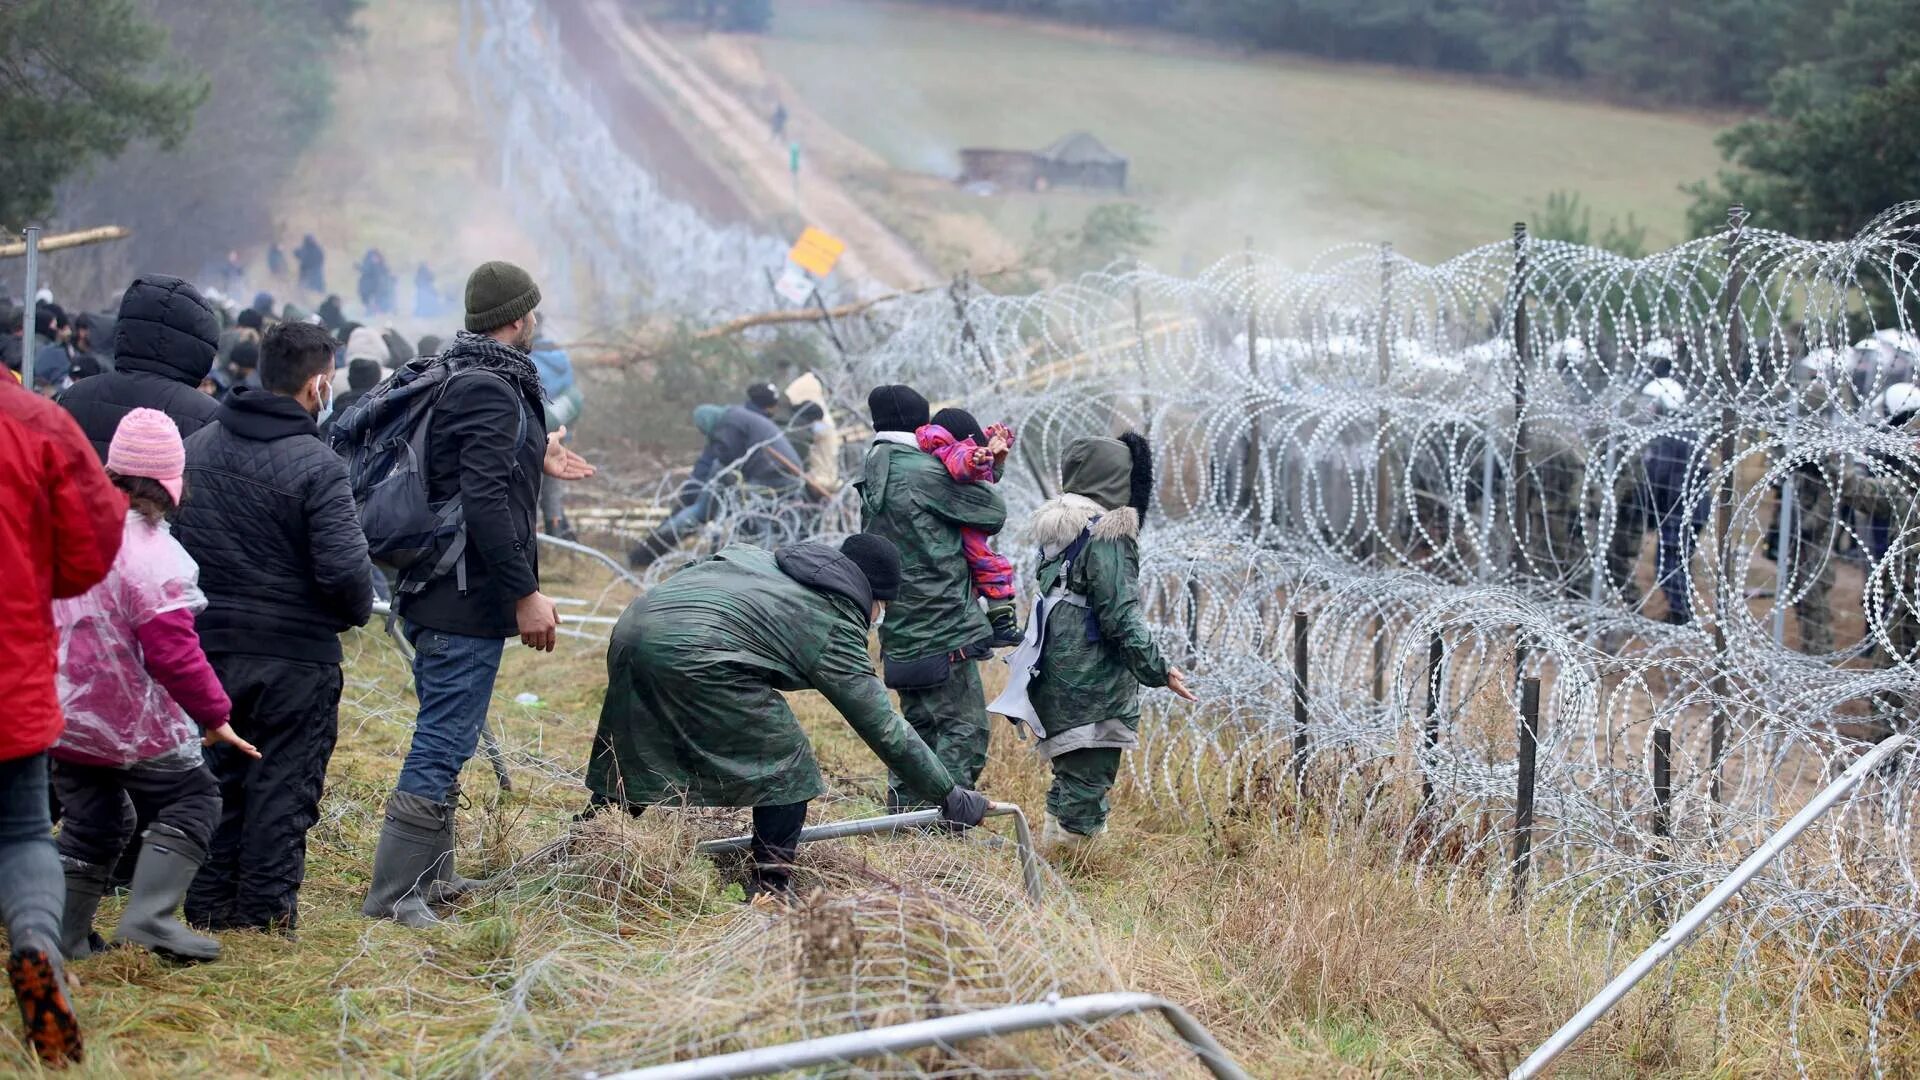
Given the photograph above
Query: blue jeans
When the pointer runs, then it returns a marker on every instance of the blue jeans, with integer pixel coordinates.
(453, 677)
(33, 888)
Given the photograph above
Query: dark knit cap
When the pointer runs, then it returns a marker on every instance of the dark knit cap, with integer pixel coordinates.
(250, 318)
(897, 408)
(245, 355)
(429, 345)
(961, 425)
(878, 559)
(363, 374)
(497, 294)
(763, 396)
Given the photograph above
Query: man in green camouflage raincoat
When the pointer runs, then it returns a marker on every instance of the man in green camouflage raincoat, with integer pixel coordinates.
(1094, 651)
(936, 630)
(1888, 485)
(695, 672)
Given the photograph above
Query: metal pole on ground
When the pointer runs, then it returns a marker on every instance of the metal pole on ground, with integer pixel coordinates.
(1697, 916)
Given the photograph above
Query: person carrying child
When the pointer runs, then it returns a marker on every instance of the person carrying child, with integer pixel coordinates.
(972, 455)
(138, 693)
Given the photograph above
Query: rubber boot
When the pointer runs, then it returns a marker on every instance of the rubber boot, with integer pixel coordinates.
(1056, 840)
(448, 885)
(86, 883)
(40, 987)
(168, 861)
(404, 861)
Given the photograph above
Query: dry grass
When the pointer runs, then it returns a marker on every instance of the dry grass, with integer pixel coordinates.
(610, 944)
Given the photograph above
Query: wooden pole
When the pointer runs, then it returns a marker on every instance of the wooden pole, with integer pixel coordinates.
(1436, 657)
(1523, 795)
(1300, 700)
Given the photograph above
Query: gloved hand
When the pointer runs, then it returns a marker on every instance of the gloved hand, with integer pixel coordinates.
(963, 807)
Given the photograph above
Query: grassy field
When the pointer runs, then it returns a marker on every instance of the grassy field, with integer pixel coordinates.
(1293, 154)
(1305, 956)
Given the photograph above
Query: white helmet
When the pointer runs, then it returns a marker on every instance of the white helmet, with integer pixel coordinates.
(1901, 397)
(1572, 351)
(1830, 362)
(1899, 341)
(1658, 349)
(1667, 394)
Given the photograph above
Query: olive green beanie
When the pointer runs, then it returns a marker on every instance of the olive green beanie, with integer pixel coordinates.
(497, 294)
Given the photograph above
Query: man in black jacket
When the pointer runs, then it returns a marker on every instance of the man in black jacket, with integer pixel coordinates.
(163, 345)
(488, 448)
(272, 524)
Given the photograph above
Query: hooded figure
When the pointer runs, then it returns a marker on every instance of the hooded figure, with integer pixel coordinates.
(696, 671)
(935, 630)
(163, 344)
(1088, 645)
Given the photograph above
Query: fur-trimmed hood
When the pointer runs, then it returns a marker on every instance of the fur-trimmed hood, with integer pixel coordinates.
(1060, 520)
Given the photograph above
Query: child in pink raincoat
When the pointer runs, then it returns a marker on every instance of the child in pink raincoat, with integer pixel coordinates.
(975, 456)
(138, 695)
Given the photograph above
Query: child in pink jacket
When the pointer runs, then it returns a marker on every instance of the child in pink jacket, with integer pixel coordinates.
(975, 456)
(138, 695)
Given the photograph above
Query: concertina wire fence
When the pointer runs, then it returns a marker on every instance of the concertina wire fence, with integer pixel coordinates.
(1480, 454)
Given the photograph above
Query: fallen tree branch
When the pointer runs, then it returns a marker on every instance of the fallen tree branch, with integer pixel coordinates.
(61, 241)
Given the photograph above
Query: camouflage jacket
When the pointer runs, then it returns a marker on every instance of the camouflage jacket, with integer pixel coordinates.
(907, 497)
(695, 670)
(1087, 693)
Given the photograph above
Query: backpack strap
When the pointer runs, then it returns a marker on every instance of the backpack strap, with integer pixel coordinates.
(454, 559)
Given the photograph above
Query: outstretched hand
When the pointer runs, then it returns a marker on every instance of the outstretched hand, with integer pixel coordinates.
(1177, 682)
(225, 734)
(562, 463)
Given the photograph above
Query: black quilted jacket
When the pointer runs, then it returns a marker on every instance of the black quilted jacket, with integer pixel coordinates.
(271, 521)
(163, 345)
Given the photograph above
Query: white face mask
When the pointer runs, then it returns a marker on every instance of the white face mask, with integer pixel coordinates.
(323, 392)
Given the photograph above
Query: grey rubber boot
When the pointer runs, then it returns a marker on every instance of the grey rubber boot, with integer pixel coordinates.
(448, 885)
(404, 862)
(168, 861)
(86, 883)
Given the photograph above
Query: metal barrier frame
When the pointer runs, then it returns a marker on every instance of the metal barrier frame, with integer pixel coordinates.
(1697, 916)
(892, 823)
(1056, 1011)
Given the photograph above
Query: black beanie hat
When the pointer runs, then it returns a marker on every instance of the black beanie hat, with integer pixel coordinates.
(961, 425)
(498, 293)
(897, 408)
(878, 559)
(763, 396)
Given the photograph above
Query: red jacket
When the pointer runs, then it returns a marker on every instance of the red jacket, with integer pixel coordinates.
(60, 527)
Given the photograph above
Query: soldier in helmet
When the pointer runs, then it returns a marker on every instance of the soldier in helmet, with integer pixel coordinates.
(1888, 487)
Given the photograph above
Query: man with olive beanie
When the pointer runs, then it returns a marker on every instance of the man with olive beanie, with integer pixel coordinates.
(694, 713)
(935, 631)
(487, 446)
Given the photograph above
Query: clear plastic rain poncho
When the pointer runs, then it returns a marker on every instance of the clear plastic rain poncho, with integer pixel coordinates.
(116, 713)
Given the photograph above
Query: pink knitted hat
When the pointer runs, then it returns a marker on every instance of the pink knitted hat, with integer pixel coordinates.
(148, 444)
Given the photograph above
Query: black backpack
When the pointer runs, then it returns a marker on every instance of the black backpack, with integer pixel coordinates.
(383, 438)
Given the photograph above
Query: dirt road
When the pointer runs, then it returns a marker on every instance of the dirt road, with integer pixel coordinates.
(735, 138)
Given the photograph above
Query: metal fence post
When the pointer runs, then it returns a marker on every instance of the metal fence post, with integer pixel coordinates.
(1662, 789)
(1529, 731)
(1436, 656)
(32, 236)
(1300, 701)
(1729, 595)
(1522, 357)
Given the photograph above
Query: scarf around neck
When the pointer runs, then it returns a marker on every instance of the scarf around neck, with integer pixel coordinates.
(480, 351)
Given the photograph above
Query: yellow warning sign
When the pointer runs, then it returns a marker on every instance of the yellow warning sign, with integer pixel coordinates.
(816, 252)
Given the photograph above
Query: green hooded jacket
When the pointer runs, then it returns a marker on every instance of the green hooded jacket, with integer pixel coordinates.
(907, 497)
(1087, 693)
(695, 671)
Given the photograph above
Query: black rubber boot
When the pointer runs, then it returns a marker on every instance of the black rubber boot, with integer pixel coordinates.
(405, 860)
(448, 885)
(86, 883)
(168, 861)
